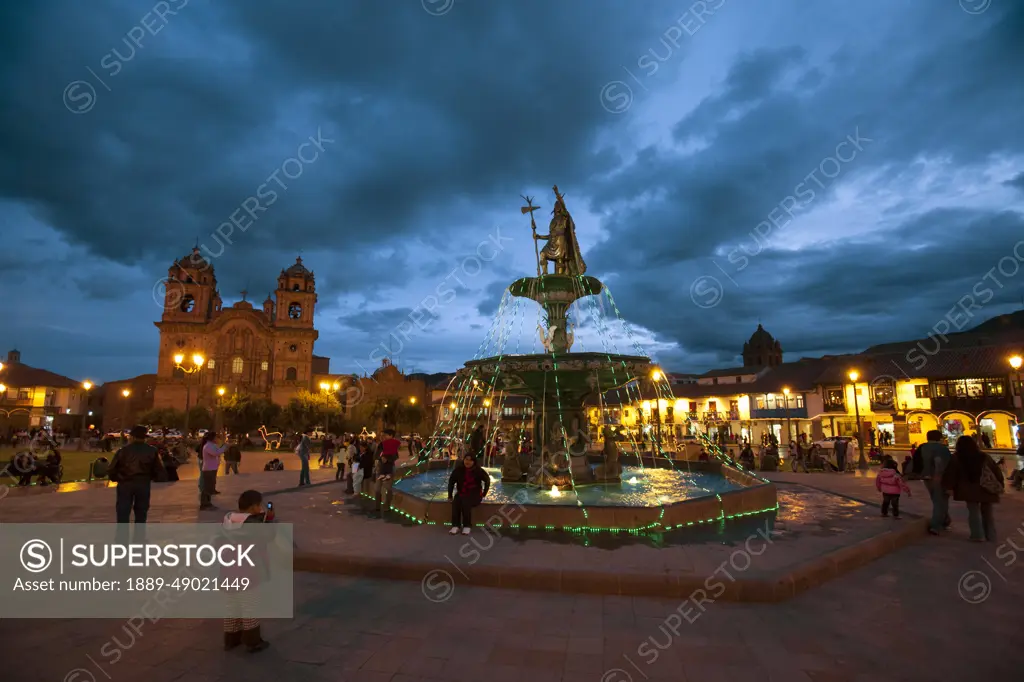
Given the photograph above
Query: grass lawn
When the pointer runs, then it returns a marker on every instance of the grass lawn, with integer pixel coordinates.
(76, 463)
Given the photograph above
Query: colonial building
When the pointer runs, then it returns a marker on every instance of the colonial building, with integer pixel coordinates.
(266, 352)
(32, 397)
(966, 384)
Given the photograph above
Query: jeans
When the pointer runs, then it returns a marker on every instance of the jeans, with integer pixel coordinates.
(894, 500)
(980, 521)
(841, 460)
(462, 512)
(384, 491)
(304, 473)
(340, 473)
(229, 467)
(132, 496)
(207, 486)
(940, 505)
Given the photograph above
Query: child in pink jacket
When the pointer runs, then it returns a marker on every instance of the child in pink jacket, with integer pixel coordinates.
(891, 484)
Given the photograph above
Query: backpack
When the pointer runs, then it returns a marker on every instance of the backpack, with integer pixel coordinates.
(989, 481)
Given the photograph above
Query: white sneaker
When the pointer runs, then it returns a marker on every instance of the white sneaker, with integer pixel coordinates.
(454, 530)
(466, 530)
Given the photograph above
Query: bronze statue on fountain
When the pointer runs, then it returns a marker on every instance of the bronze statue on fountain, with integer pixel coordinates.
(558, 381)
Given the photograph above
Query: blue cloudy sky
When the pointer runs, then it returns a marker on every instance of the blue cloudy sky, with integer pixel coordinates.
(844, 172)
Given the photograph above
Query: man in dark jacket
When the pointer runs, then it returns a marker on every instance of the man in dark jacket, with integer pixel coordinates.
(134, 468)
(935, 457)
(476, 442)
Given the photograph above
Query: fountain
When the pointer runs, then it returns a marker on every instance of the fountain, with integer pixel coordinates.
(569, 484)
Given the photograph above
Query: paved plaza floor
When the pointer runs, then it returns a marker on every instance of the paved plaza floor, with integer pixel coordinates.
(940, 608)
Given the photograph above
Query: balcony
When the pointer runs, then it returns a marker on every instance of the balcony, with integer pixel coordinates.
(972, 405)
(779, 413)
(835, 407)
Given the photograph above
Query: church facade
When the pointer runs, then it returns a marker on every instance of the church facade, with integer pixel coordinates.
(266, 352)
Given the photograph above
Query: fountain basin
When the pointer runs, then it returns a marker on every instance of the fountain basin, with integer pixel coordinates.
(663, 497)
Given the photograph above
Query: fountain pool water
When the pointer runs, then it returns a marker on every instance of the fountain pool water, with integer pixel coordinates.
(640, 487)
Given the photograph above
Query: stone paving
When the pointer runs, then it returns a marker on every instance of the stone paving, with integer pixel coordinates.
(921, 613)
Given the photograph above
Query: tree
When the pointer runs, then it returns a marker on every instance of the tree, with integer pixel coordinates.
(199, 418)
(163, 417)
(410, 415)
(310, 408)
(243, 414)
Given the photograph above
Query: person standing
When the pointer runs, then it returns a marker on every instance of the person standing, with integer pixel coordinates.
(303, 451)
(934, 457)
(327, 452)
(134, 468)
(841, 455)
(974, 478)
(212, 451)
(891, 484)
(389, 449)
(476, 442)
(232, 458)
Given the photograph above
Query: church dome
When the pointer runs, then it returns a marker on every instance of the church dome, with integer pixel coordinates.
(298, 270)
(761, 338)
(762, 350)
(193, 261)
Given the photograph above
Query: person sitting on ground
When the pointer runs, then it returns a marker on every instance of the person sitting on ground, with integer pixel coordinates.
(470, 483)
(241, 627)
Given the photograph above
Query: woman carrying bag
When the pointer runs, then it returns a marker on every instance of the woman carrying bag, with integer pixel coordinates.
(974, 478)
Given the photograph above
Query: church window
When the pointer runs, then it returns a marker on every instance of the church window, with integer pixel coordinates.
(211, 364)
(294, 311)
(295, 287)
(188, 303)
(237, 365)
(264, 365)
(290, 374)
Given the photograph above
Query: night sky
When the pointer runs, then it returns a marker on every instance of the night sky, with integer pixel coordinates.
(844, 172)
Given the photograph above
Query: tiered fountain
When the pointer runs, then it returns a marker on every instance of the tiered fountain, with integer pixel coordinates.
(568, 486)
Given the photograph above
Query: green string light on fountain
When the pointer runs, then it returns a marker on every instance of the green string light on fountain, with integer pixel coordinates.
(661, 389)
(583, 286)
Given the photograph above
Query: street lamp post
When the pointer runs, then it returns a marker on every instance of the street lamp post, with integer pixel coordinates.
(789, 428)
(197, 364)
(124, 413)
(1015, 362)
(86, 385)
(656, 376)
(218, 415)
(862, 463)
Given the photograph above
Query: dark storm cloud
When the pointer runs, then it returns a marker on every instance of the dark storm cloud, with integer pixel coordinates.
(761, 139)
(432, 125)
(1017, 181)
(418, 110)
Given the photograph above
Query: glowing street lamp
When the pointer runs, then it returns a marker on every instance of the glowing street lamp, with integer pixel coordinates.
(197, 364)
(657, 375)
(86, 385)
(221, 391)
(412, 400)
(789, 428)
(862, 463)
(1016, 362)
(126, 393)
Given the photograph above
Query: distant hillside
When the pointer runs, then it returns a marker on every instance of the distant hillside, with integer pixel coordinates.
(1002, 329)
(433, 380)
